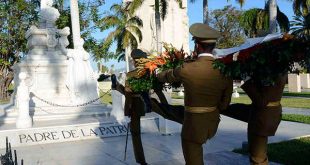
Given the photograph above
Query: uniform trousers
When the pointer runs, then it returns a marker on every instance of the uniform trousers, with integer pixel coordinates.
(197, 129)
(261, 124)
(135, 131)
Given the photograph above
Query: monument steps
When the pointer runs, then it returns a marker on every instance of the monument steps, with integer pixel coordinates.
(59, 113)
(76, 128)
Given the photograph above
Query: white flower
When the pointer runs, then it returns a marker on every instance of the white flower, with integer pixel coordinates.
(235, 56)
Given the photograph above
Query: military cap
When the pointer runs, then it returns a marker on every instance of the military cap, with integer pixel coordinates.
(204, 33)
(138, 53)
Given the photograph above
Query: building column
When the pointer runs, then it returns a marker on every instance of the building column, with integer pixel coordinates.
(75, 22)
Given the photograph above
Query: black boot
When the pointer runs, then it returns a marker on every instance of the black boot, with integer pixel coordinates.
(103, 77)
(114, 81)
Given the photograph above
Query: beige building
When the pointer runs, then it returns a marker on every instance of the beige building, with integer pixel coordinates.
(174, 28)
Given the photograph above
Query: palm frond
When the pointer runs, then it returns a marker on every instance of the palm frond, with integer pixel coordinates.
(109, 21)
(180, 2)
(132, 41)
(135, 21)
(134, 5)
(283, 21)
(116, 8)
(121, 57)
(301, 27)
(135, 31)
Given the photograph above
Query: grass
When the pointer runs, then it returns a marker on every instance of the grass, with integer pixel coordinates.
(294, 94)
(174, 95)
(296, 118)
(4, 101)
(295, 151)
(286, 102)
(106, 99)
(286, 93)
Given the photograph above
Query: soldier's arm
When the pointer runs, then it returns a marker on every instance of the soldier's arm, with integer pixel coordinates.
(226, 97)
(170, 75)
(120, 88)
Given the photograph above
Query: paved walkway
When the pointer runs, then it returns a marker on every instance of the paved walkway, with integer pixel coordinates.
(299, 111)
(159, 149)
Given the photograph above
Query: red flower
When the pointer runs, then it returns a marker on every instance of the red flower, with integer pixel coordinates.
(244, 55)
(227, 59)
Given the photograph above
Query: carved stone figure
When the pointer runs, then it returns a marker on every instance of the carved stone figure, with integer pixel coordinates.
(81, 81)
(48, 14)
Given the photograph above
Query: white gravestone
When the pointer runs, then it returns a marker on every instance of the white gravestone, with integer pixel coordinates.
(294, 83)
(305, 80)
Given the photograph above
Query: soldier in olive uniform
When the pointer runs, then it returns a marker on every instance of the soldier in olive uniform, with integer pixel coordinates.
(263, 116)
(206, 92)
(136, 105)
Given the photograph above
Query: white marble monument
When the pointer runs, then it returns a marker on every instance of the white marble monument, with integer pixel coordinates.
(60, 81)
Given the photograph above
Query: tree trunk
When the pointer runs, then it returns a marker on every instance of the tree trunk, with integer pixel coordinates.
(158, 32)
(272, 16)
(205, 12)
(5, 81)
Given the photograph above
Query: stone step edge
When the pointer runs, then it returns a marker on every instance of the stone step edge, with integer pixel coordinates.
(48, 117)
(79, 124)
(48, 114)
(74, 132)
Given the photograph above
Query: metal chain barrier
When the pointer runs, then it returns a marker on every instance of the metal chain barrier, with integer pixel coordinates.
(78, 105)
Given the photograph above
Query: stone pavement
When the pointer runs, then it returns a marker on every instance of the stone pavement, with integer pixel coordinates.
(159, 149)
(299, 111)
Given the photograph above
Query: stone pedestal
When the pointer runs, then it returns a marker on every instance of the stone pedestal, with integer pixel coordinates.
(167, 127)
(118, 105)
(305, 80)
(294, 84)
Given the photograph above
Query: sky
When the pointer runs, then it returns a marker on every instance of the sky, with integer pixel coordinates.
(195, 15)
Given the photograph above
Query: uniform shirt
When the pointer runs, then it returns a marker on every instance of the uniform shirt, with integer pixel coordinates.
(204, 86)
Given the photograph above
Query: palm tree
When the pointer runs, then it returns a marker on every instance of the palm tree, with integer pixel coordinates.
(126, 33)
(301, 7)
(272, 4)
(255, 20)
(301, 27)
(272, 9)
